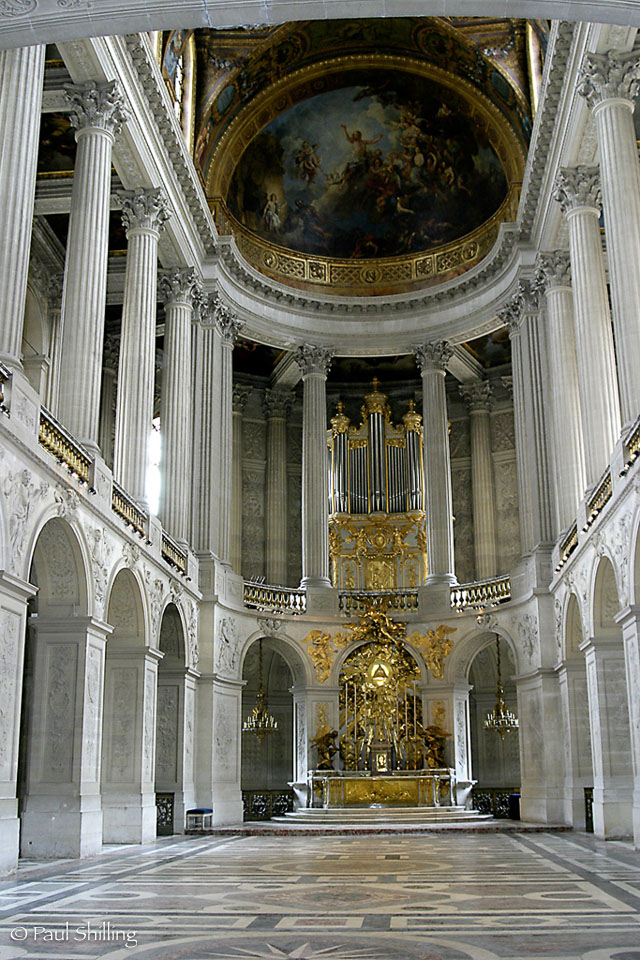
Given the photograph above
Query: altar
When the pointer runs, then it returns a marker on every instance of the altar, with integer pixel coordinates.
(362, 788)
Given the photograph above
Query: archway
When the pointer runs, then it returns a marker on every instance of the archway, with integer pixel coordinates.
(495, 761)
(174, 728)
(128, 752)
(59, 756)
(608, 711)
(267, 764)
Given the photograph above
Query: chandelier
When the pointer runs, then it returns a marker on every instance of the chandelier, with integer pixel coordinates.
(501, 719)
(260, 720)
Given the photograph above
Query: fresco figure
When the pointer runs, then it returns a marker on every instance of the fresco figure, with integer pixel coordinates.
(307, 162)
(271, 214)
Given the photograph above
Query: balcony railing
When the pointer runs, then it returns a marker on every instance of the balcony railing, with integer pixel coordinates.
(126, 508)
(59, 442)
(274, 599)
(601, 496)
(360, 601)
(633, 448)
(567, 546)
(173, 554)
(5, 377)
(483, 593)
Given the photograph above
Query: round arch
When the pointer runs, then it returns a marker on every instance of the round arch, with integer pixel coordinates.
(300, 666)
(59, 567)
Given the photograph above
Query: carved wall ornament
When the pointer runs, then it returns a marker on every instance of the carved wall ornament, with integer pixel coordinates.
(528, 635)
(97, 105)
(487, 621)
(21, 494)
(227, 646)
(558, 621)
(609, 76)
(144, 209)
(155, 590)
(130, 554)
(192, 631)
(17, 8)
(313, 359)
(269, 626)
(507, 383)
(553, 270)
(67, 502)
(578, 187)
(433, 356)
(176, 591)
(434, 647)
(240, 397)
(9, 651)
(100, 552)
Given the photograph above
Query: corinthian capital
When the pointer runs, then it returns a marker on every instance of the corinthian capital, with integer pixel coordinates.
(277, 403)
(609, 76)
(511, 317)
(312, 359)
(144, 209)
(477, 394)
(228, 324)
(240, 397)
(577, 187)
(179, 286)
(98, 105)
(553, 270)
(434, 355)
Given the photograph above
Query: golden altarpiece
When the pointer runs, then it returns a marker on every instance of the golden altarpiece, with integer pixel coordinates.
(377, 536)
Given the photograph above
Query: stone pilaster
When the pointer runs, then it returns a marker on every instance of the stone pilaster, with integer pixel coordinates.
(629, 620)
(178, 288)
(432, 360)
(240, 397)
(578, 192)
(566, 415)
(314, 362)
(277, 404)
(478, 396)
(97, 112)
(578, 770)
(207, 357)
(228, 327)
(144, 212)
(108, 396)
(54, 307)
(606, 82)
(21, 79)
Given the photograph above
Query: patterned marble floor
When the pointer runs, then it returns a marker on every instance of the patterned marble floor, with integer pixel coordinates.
(484, 897)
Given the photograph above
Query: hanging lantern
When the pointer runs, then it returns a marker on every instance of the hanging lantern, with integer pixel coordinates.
(260, 720)
(501, 719)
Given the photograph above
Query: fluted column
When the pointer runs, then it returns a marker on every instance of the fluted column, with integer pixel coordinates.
(240, 397)
(108, 396)
(277, 404)
(566, 415)
(207, 356)
(144, 212)
(479, 397)
(21, 79)
(177, 289)
(432, 360)
(98, 113)
(228, 327)
(511, 317)
(314, 363)
(578, 192)
(606, 82)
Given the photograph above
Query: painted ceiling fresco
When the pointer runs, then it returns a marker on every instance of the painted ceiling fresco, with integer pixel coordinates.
(389, 164)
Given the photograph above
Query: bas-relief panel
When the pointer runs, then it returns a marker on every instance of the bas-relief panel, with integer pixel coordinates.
(380, 167)
(617, 746)
(167, 734)
(507, 513)
(459, 438)
(503, 431)
(294, 528)
(580, 722)
(93, 694)
(463, 527)
(9, 652)
(120, 723)
(189, 724)
(253, 532)
(225, 738)
(60, 686)
(254, 439)
(533, 742)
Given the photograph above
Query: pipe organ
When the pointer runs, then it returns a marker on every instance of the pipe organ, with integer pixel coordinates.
(377, 535)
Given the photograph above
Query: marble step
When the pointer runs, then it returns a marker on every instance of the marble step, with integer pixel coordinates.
(383, 814)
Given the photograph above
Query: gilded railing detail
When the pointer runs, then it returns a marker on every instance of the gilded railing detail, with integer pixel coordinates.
(481, 594)
(601, 496)
(129, 511)
(633, 448)
(567, 546)
(174, 555)
(350, 602)
(274, 599)
(54, 438)
(5, 376)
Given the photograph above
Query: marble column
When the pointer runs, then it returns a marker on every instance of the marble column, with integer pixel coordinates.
(62, 814)
(177, 288)
(97, 112)
(54, 347)
(478, 396)
(578, 192)
(432, 360)
(277, 404)
(532, 420)
(566, 414)
(21, 81)
(14, 597)
(240, 397)
(314, 362)
(144, 211)
(206, 430)
(629, 621)
(578, 768)
(610, 737)
(607, 81)
(228, 326)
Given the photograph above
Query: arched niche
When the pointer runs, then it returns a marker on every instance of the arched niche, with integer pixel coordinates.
(495, 763)
(574, 633)
(606, 602)
(59, 571)
(267, 765)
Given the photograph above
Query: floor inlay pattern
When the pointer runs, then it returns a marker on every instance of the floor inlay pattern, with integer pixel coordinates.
(502, 897)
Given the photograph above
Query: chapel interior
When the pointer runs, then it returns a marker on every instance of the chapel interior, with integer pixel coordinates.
(319, 420)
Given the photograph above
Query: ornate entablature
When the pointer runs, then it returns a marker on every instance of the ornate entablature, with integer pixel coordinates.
(377, 536)
(369, 173)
